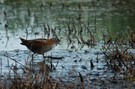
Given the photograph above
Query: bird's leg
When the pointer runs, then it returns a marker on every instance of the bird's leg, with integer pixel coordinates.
(44, 57)
(32, 57)
(31, 61)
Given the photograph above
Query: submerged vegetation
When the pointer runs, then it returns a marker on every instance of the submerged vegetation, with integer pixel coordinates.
(96, 51)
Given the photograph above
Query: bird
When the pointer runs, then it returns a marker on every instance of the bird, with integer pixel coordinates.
(40, 45)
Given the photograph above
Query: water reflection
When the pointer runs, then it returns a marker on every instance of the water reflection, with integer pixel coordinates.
(78, 23)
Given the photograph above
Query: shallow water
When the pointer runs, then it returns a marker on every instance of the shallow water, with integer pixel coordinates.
(71, 20)
(79, 61)
(27, 19)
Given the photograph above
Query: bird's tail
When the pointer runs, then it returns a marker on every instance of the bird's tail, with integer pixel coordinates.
(23, 41)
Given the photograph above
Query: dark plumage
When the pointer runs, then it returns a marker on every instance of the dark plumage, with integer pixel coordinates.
(40, 46)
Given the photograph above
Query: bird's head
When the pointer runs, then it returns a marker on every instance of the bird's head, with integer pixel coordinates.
(55, 40)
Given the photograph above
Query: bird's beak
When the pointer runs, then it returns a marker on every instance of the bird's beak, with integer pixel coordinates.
(59, 42)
